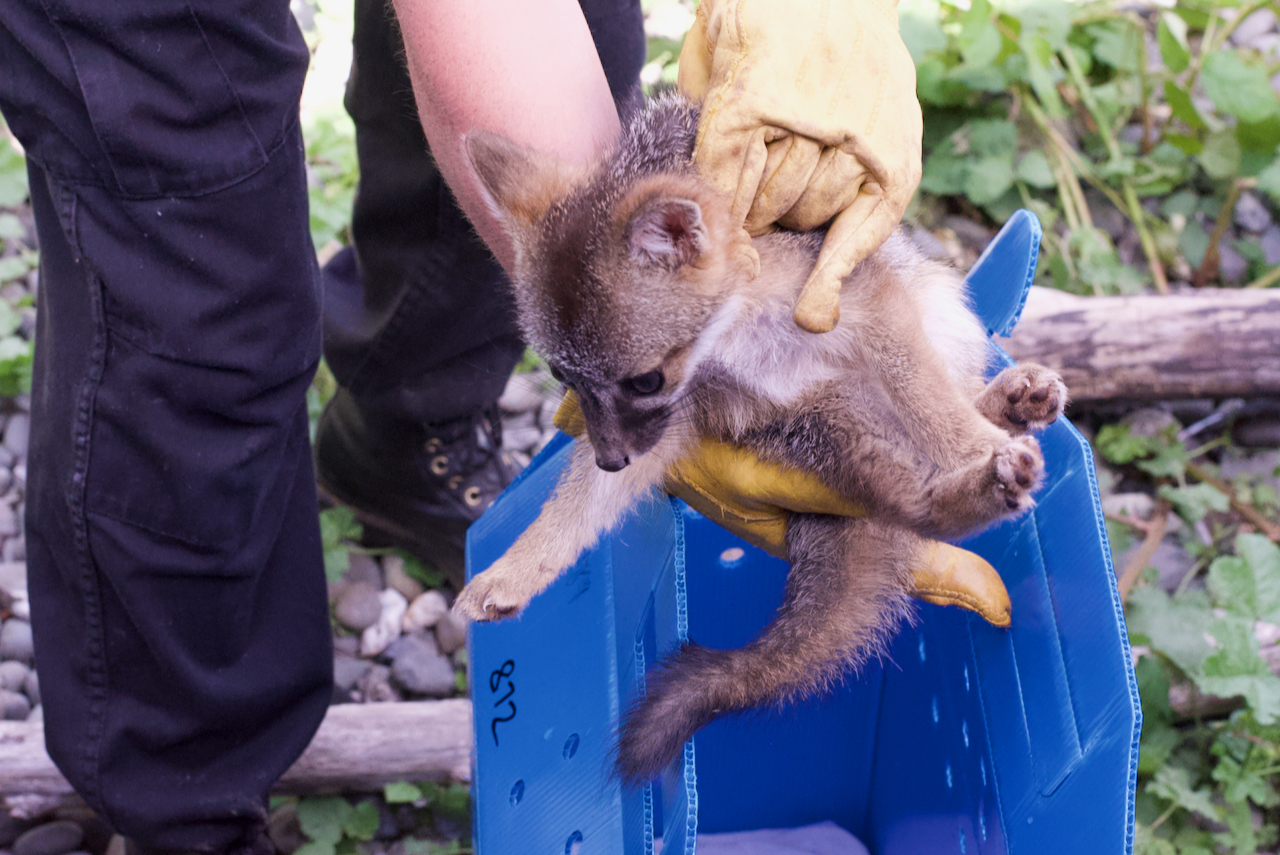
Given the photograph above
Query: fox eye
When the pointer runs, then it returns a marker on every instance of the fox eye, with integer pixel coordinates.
(644, 384)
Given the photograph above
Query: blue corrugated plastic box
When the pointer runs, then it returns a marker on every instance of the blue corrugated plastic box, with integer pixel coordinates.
(966, 739)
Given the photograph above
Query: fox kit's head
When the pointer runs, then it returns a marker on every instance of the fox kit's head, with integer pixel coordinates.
(621, 266)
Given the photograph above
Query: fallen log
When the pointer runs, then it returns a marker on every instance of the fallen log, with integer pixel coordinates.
(359, 747)
(1212, 344)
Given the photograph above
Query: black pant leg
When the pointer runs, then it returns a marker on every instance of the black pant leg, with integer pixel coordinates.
(419, 319)
(178, 603)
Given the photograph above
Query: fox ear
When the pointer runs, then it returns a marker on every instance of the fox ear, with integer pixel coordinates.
(668, 232)
(520, 184)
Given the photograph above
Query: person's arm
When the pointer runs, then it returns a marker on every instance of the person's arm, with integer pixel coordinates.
(526, 70)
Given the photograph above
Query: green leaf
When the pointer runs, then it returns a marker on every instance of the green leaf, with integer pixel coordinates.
(1034, 169)
(315, 847)
(338, 523)
(1243, 91)
(401, 792)
(1174, 783)
(988, 179)
(15, 366)
(1235, 669)
(322, 818)
(1182, 106)
(337, 561)
(1175, 627)
(1240, 836)
(1269, 181)
(363, 823)
(1169, 462)
(11, 227)
(13, 176)
(1193, 243)
(428, 576)
(1194, 502)
(1118, 43)
(920, 26)
(13, 267)
(1260, 137)
(1118, 445)
(1221, 155)
(1171, 36)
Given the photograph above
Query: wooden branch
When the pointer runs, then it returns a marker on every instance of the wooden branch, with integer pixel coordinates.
(1215, 343)
(359, 747)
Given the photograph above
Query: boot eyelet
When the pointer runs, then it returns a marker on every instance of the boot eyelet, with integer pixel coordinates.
(433, 444)
(440, 465)
(472, 496)
(455, 482)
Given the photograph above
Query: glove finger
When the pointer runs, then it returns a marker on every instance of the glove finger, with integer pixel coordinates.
(787, 175)
(836, 182)
(733, 163)
(694, 69)
(854, 233)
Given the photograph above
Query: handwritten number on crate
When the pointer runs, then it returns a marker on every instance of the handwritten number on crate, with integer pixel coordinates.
(495, 685)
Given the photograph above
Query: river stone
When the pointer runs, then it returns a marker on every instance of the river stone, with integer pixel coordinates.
(1270, 243)
(359, 606)
(1251, 214)
(424, 612)
(31, 688)
(522, 394)
(1253, 28)
(13, 675)
(375, 638)
(399, 580)
(420, 668)
(364, 568)
(375, 686)
(284, 829)
(348, 671)
(52, 838)
(14, 706)
(15, 641)
(17, 434)
(451, 632)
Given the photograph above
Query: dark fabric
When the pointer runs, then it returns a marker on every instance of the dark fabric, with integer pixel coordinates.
(180, 615)
(419, 319)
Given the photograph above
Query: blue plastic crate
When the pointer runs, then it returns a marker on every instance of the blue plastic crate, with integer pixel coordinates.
(966, 739)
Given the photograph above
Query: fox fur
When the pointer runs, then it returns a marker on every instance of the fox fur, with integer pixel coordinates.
(629, 281)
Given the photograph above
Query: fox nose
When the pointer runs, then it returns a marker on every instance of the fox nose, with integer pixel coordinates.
(614, 465)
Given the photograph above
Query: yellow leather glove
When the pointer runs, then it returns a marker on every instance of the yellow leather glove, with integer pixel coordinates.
(809, 115)
(754, 499)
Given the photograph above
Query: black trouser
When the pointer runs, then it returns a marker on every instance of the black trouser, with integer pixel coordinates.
(180, 614)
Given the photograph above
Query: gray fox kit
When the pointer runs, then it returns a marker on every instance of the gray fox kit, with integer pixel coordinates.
(628, 282)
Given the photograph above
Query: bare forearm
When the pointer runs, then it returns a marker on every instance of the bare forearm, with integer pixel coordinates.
(524, 69)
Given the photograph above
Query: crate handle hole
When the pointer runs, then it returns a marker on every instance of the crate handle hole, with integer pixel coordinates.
(732, 556)
(574, 842)
(571, 746)
(517, 792)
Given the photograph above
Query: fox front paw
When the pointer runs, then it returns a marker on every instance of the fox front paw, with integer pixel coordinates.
(495, 594)
(1026, 397)
(1019, 472)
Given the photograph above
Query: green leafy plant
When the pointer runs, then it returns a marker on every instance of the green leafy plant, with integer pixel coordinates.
(1028, 103)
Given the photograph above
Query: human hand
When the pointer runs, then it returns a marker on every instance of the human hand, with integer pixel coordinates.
(809, 116)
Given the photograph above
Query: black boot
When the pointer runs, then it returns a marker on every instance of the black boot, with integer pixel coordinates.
(415, 486)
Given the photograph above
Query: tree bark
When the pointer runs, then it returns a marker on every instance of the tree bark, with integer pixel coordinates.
(359, 747)
(1214, 344)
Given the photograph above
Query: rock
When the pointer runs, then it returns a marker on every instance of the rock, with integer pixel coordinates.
(1257, 433)
(1270, 243)
(1254, 27)
(1135, 505)
(284, 829)
(1148, 422)
(17, 434)
(359, 606)
(375, 639)
(375, 686)
(52, 838)
(1232, 266)
(419, 667)
(521, 439)
(348, 645)
(1251, 215)
(37, 713)
(15, 549)
(520, 421)
(14, 706)
(9, 526)
(116, 846)
(10, 828)
(13, 675)
(15, 641)
(399, 580)
(522, 394)
(7, 458)
(451, 632)
(348, 671)
(1262, 463)
(424, 612)
(973, 236)
(364, 568)
(547, 415)
(31, 688)
(97, 834)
